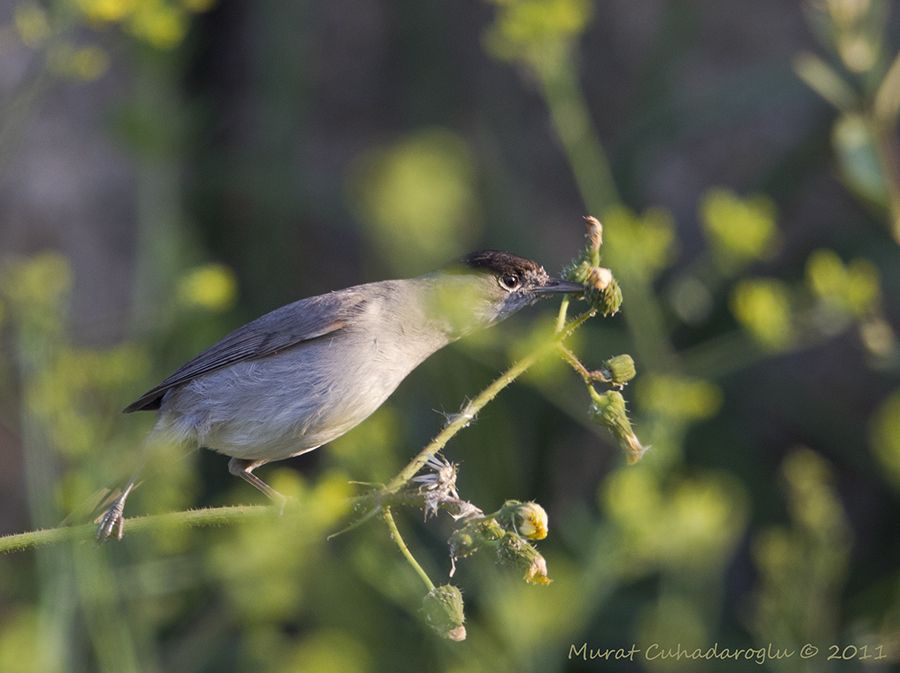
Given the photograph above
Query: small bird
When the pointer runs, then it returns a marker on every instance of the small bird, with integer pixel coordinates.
(306, 373)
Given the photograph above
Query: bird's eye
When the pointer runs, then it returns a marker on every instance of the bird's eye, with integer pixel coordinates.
(509, 281)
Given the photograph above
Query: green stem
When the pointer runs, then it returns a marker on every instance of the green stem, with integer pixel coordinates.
(197, 518)
(590, 166)
(572, 124)
(561, 316)
(884, 144)
(577, 365)
(398, 540)
(484, 397)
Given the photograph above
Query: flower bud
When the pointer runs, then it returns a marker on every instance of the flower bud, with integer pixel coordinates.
(442, 609)
(609, 300)
(618, 370)
(515, 551)
(528, 519)
(537, 572)
(469, 538)
(609, 410)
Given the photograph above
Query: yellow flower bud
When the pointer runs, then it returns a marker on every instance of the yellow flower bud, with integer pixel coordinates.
(528, 519)
(515, 551)
(537, 572)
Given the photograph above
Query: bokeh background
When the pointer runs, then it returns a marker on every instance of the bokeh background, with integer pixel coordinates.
(172, 168)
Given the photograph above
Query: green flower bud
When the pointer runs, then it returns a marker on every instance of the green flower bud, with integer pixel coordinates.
(528, 519)
(609, 300)
(577, 271)
(442, 609)
(618, 369)
(468, 539)
(609, 410)
(516, 552)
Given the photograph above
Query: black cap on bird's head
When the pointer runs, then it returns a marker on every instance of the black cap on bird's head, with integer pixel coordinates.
(516, 274)
(488, 286)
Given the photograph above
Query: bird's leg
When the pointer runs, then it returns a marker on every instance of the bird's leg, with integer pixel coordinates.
(244, 469)
(113, 519)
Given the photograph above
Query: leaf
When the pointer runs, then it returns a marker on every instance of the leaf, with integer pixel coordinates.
(822, 79)
(858, 157)
(887, 99)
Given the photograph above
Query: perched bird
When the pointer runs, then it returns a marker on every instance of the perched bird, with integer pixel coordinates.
(306, 373)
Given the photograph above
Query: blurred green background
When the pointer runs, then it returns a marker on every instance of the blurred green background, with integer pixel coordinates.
(172, 168)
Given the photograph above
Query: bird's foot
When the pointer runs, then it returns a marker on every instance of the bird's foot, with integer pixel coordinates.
(112, 521)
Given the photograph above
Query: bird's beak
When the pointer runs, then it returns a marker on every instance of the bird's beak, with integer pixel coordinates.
(559, 286)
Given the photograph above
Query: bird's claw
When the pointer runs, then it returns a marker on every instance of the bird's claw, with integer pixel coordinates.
(112, 521)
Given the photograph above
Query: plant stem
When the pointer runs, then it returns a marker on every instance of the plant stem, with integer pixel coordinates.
(197, 518)
(561, 316)
(576, 364)
(484, 397)
(398, 540)
(884, 143)
(569, 113)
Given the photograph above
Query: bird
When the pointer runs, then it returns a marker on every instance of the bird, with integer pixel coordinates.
(304, 374)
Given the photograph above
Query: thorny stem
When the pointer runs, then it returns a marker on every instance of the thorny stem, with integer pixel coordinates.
(398, 540)
(586, 375)
(484, 397)
(197, 518)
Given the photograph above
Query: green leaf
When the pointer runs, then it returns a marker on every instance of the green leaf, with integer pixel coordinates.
(822, 79)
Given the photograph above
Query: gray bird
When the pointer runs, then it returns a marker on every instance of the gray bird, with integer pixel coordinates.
(306, 373)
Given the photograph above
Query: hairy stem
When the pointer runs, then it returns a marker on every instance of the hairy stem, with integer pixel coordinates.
(407, 554)
(484, 397)
(563, 313)
(196, 518)
(586, 375)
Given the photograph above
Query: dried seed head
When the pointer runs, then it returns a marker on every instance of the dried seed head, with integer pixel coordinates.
(594, 234)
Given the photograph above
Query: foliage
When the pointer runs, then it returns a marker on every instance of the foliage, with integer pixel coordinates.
(723, 532)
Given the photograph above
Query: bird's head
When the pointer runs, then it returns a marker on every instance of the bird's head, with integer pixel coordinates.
(488, 286)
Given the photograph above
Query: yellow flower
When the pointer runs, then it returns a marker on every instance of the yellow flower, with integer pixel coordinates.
(741, 230)
(679, 396)
(160, 25)
(31, 24)
(212, 287)
(854, 288)
(537, 572)
(532, 521)
(106, 11)
(763, 307)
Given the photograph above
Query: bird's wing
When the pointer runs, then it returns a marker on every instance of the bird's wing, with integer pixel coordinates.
(269, 334)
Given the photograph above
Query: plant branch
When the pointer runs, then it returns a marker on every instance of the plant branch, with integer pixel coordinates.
(407, 554)
(484, 397)
(195, 518)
